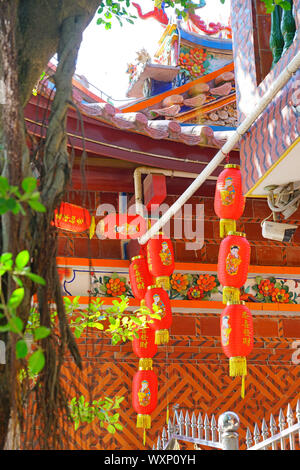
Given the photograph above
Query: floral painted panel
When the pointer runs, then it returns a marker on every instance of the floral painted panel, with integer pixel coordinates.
(113, 282)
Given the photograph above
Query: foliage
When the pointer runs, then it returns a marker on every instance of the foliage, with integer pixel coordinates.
(13, 200)
(121, 9)
(109, 9)
(121, 325)
(271, 4)
(103, 410)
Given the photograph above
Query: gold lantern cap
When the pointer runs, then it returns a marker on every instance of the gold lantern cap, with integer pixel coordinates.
(137, 257)
(238, 234)
(232, 165)
(152, 287)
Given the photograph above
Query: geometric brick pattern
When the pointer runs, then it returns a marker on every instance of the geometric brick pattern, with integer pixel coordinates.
(192, 372)
(204, 388)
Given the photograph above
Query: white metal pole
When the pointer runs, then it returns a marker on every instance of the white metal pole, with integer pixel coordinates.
(281, 80)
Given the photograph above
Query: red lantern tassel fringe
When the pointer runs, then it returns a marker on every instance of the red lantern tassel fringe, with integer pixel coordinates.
(238, 368)
(163, 281)
(231, 295)
(143, 421)
(226, 226)
(161, 336)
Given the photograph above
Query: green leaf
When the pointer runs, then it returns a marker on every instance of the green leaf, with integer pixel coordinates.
(111, 429)
(36, 362)
(29, 184)
(36, 278)
(15, 324)
(4, 328)
(22, 259)
(5, 257)
(36, 205)
(21, 349)
(41, 332)
(4, 186)
(16, 297)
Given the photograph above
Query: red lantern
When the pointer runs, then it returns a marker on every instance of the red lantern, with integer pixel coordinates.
(160, 258)
(122, 226)
(157, 296)
(229, 200)
(73, 218)
(144, 347)
(144, 396)
(233, 263)
(237, 338)
(139, 276)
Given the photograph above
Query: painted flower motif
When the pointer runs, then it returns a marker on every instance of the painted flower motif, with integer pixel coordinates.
(198, 55)
(195, 293)
(115, 287)
(266, 287)
(185, 59)
(197, 70)
(179, 282)
(206, 282)
(280, 296)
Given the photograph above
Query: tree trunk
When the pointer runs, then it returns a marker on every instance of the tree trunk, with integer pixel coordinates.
(30, 33)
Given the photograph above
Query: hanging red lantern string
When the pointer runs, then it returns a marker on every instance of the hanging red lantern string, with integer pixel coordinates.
(139, 276)
(144, 397)
(229, 201)
(160, 258)
(122, 226)
(237, 339)
(157, 300)
(233, 263)
(74, 219)
(144, 347)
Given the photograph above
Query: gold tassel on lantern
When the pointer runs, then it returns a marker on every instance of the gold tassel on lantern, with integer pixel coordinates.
(226, 226)
(161, 336)
(163, 281)
(145, 363)
(238, 368)
(231, 295)
(143, 421)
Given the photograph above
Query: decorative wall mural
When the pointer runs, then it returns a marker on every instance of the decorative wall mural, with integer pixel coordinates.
(184, 285)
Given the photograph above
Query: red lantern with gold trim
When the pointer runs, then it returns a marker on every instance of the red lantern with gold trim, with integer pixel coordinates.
(229, 201)
(72, 218)
(160, 258)
(144, 346)
(139, 276)
(122, 226)
(144, 396)
(158, 297)
(233, 264)
(237, 338)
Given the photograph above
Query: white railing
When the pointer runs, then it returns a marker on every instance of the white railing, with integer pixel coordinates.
(285, 436)
(209, 434)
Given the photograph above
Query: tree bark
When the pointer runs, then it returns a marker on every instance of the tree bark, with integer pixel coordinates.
(30, 34)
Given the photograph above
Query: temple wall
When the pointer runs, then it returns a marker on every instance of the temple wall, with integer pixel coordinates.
(192, 372)
(263, 252)
(192, 369)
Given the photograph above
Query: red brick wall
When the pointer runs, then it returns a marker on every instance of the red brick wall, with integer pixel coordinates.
(192, 369)
(263, 252)
(192, 372)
